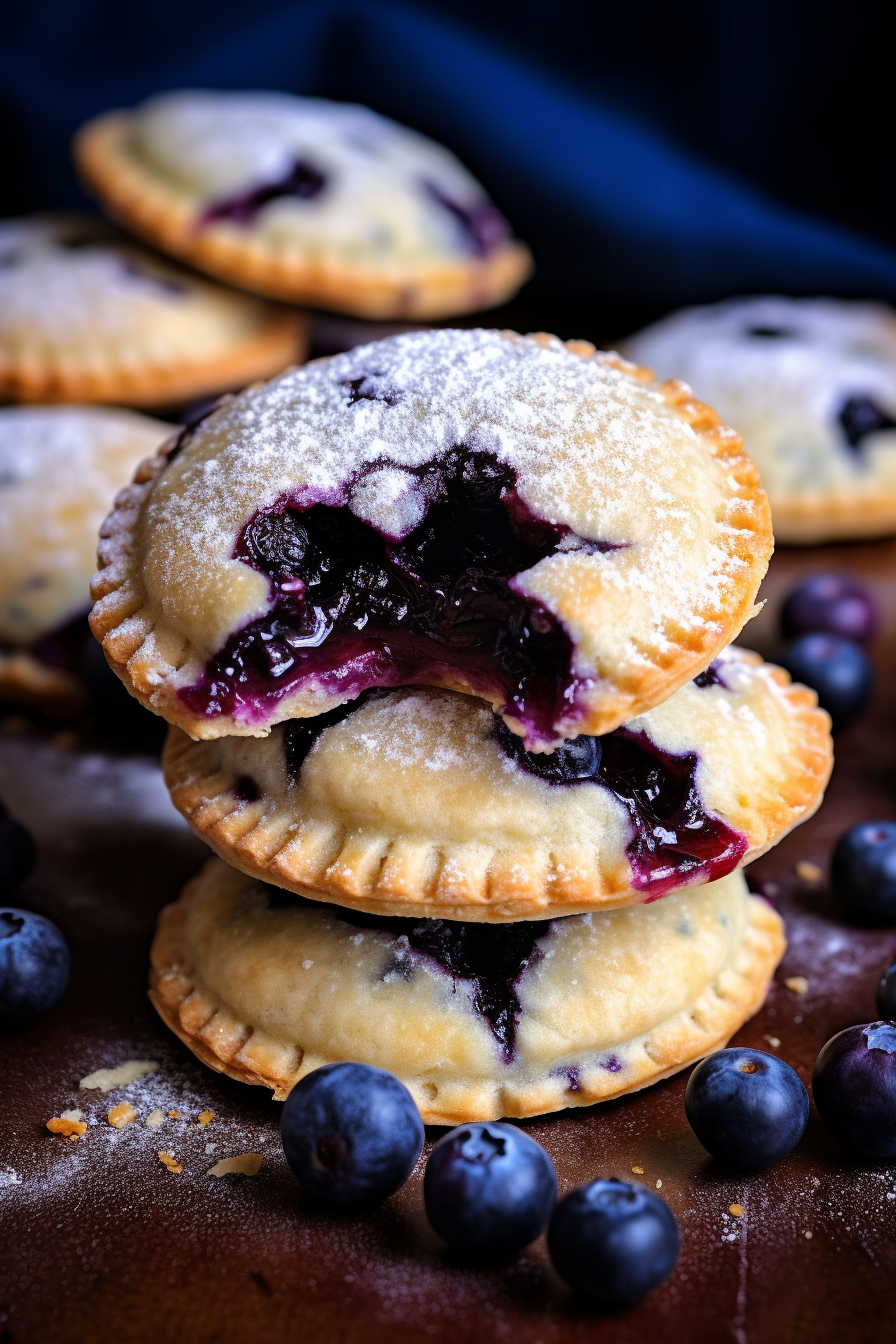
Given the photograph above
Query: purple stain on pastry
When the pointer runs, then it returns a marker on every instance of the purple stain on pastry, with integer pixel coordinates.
(711, 676)
(611, 1064)
(303, 182)
(859, 416)
(491, 958)
(483, 227)
(571, 1075)
(353, 608)
(674, 839)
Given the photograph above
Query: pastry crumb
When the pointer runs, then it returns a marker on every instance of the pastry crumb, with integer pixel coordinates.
(174, 1115)
(797, 983)
(246, 1164)
(638, 1171)
(736, 1210)
(121, 1115)
(773, 1041)
(808, 1235)
(154, 1119)
(206, 1117)
(170, 1161)
(104, 1080)
(659, 1185)
(71, 1115)
(72, 1129)
(808, 872)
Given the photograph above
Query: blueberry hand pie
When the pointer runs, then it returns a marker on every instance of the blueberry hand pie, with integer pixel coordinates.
(811, 386)
(304, 200)
(59, 468)
(86, 315)
(421, 802)
(531, 522)
(478, 1021)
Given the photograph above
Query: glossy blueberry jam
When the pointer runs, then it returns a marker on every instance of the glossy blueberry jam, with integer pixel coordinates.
(860, 416)
(352, 608)
(482, 226)
(491, 958)
(674, 838)
(711, 676)
(303, 182)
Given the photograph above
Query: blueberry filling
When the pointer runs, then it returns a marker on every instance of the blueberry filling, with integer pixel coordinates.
(482, 226)
(771, 333)
(674, 837)
(303, 182)
(859, 416)
(492, 958)
(711, 676)
(63, 648)
(352, 608)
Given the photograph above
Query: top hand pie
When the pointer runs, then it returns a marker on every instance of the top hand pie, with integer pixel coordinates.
(525, 520)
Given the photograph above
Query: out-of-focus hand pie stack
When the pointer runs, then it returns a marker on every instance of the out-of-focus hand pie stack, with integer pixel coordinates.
(442, 627)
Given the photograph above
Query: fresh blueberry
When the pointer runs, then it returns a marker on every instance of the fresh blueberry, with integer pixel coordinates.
(854, 1086)
(16, 854)
(837, 669)
(489, 1188)
(351, 1132)
(34, 964)
(612, 1241)
(831, 604)
(886, 994)
(863, 871)
(747, 1108)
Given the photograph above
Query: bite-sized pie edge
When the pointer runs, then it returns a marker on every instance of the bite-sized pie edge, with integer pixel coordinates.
(281, 342)
(388, 874)
(223, 1042)
(147, 660)
(26, 681)
(813, 520)
(148, 206)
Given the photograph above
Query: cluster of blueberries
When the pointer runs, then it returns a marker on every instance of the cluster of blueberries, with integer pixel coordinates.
(352, 1133)
(827, 621)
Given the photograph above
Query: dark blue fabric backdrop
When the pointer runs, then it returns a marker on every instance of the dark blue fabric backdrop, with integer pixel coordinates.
(612, 204)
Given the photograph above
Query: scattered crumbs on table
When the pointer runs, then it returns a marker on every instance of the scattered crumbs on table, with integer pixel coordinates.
(170, 1161)
(210, 1147)
(773, 1041)
(174, 1115)
(206, 1117)
(154, 1119)
(72, 1129)
(121, 1115)
(245, 1164)
(808, 1235)
(119, 1076)
(797, 983)
(807, 871)
(639, 1171)
(659, 1185)
(736, 1210)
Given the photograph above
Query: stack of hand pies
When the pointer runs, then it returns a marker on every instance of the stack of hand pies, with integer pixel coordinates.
(442, 629)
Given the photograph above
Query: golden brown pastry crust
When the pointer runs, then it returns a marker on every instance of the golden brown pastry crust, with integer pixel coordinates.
(623, 678)
(568, 1054)
(148, 206)
(375, 824)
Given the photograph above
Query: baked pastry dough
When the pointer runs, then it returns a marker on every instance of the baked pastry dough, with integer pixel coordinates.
(305, 200)
(59, 468)
(478, 1022)
(419, 802)
(811, 386)
(526, 520)
(86, 315)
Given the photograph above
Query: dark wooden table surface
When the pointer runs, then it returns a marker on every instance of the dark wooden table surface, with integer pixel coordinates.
(100, 1242)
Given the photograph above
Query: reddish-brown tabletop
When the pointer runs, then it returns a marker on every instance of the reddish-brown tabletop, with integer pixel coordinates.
(101, 1242)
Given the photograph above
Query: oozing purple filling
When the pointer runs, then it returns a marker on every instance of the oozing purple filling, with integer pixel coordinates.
(353, 609)
(483, 226)
(63, 648)
(303, 182)
(491, 957)
(711, 676)
(860, 416)
(674, 838)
